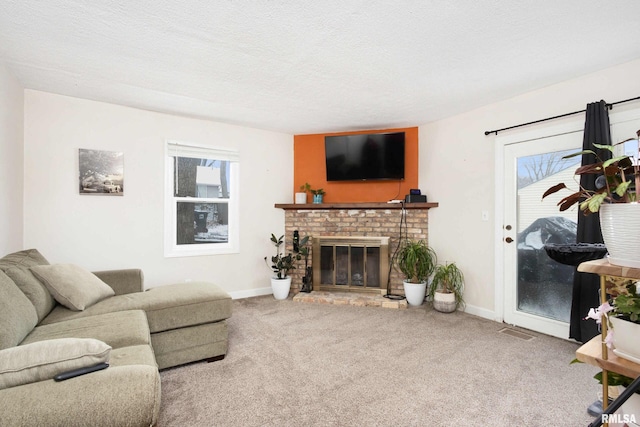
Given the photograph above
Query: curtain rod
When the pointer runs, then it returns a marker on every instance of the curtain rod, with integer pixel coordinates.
(489, 132)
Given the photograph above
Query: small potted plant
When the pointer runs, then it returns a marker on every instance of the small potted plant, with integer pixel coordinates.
(416, 261)
(615, 198)
(622, 314)
(281, 265)
(447, 287)
(301, 196)
(317, 195)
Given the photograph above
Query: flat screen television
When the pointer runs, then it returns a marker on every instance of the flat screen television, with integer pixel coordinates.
(365, 157)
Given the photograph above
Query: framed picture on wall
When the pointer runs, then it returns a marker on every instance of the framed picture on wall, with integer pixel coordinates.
(101, 172)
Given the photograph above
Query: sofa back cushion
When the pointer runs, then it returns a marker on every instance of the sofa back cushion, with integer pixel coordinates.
(17, 315)
(16, 266)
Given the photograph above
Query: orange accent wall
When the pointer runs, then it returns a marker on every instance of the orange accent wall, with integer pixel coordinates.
(309, 166)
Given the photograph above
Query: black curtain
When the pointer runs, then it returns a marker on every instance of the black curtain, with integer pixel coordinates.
(586, 286)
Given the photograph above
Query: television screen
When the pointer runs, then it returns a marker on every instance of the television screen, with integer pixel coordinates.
(365, 157)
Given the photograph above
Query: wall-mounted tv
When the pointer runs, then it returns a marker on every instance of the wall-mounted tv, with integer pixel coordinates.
(365, 157)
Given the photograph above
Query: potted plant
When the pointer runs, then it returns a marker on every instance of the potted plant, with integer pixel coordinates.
(622, 314)
(615, 198)
(447, 287)
(281, 265)
(317, 195)
(416, 260)
(301, 197)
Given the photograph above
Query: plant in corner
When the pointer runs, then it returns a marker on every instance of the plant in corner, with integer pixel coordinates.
(615, 198)
(416, 261)
(281, 265)
(447, 287)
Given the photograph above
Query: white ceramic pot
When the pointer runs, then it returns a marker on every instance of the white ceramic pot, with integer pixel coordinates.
(281, 287)
(444, 302)
(301, 198)
(415, 292)
(626, 339)
(620, 224)
(631, 406)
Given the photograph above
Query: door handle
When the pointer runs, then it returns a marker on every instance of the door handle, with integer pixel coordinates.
(508, 240)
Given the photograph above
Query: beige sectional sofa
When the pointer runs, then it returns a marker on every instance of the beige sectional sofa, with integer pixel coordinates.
(136, 332)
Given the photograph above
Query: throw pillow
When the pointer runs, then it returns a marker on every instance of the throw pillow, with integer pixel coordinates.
(43, 360)
(72, 286)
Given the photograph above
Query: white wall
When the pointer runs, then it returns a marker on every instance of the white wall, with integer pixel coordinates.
(457, 169)
(11, 155)
(127, 232)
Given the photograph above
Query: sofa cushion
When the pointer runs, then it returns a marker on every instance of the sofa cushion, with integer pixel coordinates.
(43, 360)
(120, 329)
(17, 315)
(72, 286)
(167, 307)
(16, 266)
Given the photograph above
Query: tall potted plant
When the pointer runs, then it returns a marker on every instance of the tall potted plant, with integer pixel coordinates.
(615, 198)
(281, 265)
(416, 261)
(447, 287)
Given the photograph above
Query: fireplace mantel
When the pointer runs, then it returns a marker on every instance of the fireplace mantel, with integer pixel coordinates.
(366, 205)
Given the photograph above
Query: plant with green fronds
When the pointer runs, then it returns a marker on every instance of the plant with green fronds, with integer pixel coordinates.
(448, 278)
(416, 260)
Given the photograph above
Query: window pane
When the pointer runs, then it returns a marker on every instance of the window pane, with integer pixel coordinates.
(205, 178)
(202, 223)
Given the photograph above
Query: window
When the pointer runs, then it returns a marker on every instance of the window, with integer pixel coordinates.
(201, 200)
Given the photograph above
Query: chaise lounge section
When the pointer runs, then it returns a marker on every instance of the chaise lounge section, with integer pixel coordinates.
(136, 331)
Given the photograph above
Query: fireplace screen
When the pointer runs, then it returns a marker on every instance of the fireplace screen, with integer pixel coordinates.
(350, 263)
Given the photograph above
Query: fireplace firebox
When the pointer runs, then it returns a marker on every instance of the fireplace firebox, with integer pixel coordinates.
(350, 264)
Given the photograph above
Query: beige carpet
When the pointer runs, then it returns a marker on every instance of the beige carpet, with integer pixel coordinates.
(296, 364)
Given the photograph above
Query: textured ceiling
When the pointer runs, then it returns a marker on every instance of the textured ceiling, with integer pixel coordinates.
(300, 66)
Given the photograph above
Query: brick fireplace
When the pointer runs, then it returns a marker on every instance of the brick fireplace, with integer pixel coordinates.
(355, 220)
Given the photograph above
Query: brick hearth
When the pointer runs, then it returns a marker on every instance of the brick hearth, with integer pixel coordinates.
(349, 298)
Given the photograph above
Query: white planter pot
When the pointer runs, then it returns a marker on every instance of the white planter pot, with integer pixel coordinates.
(415, 292)
(626, 339)
(301, 198)
(620, 224)
(446, 303)
(631, 406)
(281, 287)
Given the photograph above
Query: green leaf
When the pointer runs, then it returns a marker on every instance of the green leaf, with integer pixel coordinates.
(622, 188)
(604, 147)
(593, 203)
(612, 161)
(575, 361)
(579, 153)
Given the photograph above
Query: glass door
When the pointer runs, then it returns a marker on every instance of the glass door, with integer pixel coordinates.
(538, 289)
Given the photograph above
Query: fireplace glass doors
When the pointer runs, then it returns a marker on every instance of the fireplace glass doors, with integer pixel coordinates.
(358, 264)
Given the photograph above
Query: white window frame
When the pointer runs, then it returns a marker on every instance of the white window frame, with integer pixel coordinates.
(173, 149)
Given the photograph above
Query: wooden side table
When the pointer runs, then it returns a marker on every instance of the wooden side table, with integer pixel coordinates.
(595, 352)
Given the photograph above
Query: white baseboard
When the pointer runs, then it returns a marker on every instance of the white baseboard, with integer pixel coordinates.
(481, 312)
(251, 293)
